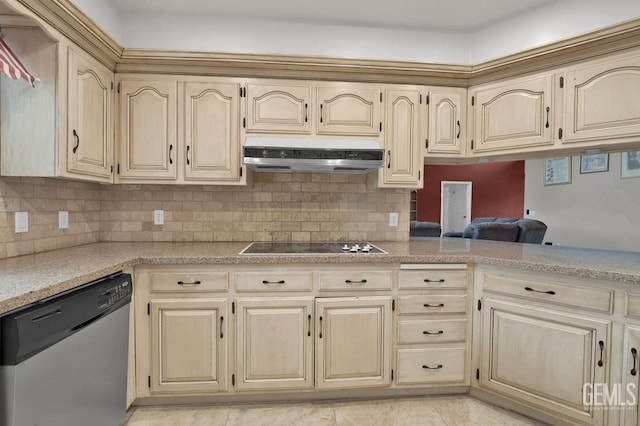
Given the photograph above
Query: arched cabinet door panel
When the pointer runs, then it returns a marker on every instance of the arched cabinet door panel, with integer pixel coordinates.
(273, 108)
(349, 110)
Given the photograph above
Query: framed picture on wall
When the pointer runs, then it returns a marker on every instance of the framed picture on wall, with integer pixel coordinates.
(594, 163)
(630, 167)
(557, 171)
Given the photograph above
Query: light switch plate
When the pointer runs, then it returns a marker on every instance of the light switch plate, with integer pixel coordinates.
(393, 219)
(63, 219)
(22, 222)
(158, 217)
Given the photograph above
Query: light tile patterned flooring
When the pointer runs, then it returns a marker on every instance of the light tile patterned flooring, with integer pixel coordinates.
(422, 411)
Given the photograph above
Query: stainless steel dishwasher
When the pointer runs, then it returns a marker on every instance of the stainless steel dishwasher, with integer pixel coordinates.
(63, 360)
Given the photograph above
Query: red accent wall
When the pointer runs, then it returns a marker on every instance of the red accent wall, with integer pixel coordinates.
(497, 189)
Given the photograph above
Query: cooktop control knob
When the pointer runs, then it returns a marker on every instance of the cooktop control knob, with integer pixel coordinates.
(345, 247)
(366, 248)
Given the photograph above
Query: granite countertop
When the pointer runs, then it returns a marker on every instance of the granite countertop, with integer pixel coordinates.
(26, 279)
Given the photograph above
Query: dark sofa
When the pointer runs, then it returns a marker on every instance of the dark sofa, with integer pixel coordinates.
(424, 229)
(503, 229)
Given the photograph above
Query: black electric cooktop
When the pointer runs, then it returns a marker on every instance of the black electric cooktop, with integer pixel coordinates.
(310, 248)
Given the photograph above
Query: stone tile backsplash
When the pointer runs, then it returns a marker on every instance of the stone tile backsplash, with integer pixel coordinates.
(277, 207)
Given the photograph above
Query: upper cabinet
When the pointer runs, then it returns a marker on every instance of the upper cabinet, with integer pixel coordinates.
(147, 126)
(178, 130)
(212, 140)
(403, 150)
(90, 117)
(602, 100)
(278, 108)
(513, 114)
(347, 109)
(64, 126)
(447, 117)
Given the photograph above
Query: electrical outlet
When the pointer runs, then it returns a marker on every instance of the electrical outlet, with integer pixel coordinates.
(158, 217)
(393, 219)
(63, 219)
(22, 222)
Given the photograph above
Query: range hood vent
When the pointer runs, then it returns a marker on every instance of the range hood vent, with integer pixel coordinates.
(312, 155)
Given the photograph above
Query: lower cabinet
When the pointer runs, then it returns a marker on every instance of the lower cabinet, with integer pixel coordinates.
(188, 345)
(274, 343)
(353, 347)
(544, 358)
(630, 373)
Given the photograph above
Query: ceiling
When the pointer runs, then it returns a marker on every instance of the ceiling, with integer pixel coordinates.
(442, 15)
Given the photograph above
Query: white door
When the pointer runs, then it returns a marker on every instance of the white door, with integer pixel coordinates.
(455, 209)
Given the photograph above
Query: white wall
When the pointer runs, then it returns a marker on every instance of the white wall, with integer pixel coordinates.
(105, 14)
(551, 22)
(597, 210)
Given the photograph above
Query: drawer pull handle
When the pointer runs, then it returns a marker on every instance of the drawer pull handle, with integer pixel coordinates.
(272, 282)
(320, 335)
(221, 321)
(427, 280)
(191, 283)
(355, 282)
(601, 344)
(439, 305)
(634, 352)
(551, 292)
(309, 325)
(433, 332)
(437, 367)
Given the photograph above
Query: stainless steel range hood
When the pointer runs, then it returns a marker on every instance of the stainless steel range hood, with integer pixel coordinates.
(312, 155)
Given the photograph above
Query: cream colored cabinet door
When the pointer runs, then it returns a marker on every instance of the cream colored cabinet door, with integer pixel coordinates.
(90, 117)
(274, 343)
(403, 151)
(603, 101)
(630, 375)
(349, 110)
(513, 115)
(212, 140)
(148, 130)
(544, 358)
(353, 342)
(188, 345)
(278, 108)
(447, 117)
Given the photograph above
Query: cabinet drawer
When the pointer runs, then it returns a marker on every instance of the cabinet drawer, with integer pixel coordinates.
(432, 278)
(188, 281)
(589, 298)
(355, 280)
(431, 331)
(633, 305)
(430, 366)
(436, 304)
(271, 281)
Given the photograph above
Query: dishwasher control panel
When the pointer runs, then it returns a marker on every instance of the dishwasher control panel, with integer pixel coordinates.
(107, 296)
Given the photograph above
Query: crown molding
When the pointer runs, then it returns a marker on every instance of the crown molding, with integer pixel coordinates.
(72, 23)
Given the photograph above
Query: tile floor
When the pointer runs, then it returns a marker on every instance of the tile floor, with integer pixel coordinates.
(422, 411)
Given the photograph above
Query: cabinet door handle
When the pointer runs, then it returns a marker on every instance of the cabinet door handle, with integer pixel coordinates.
(439, 305)
(433, 332)
(547, 125)
(170, 149)
(265, 282)
(306, 112)
(634, 353)
(75, 135)
(321, 113)
(437, 367)
(551, 292)
(427, 280)
(389, 158)
(601, 362)
(355, 282)
(320, 335)
(459, 129)
(191, 283)
(188, 161)
(309, 325)
(221, 321)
